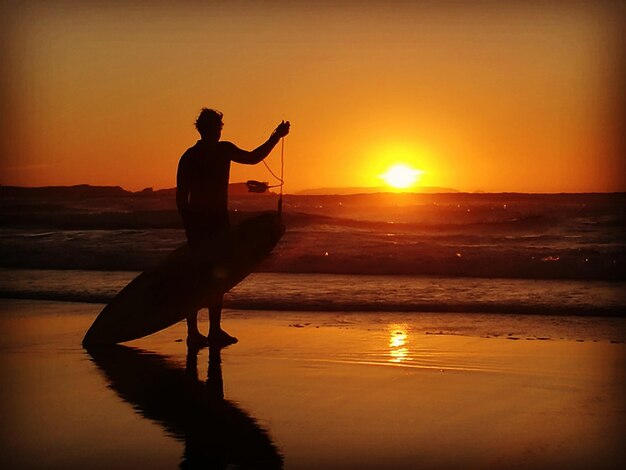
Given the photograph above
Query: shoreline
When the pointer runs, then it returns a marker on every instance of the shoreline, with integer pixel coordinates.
(510, 326)
(344, 293)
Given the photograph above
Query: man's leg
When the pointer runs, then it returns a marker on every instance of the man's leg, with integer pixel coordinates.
(194, 338)
(217, 336)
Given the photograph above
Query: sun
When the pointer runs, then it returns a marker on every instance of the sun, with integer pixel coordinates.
(401, 176)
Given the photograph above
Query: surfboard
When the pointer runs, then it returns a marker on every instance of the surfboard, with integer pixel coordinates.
(186, 281)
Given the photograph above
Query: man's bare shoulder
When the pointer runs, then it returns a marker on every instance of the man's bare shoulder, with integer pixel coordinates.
(194, 149)
(226, 145)
(228, 149)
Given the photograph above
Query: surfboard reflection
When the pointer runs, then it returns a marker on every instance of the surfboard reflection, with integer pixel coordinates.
(216, 433)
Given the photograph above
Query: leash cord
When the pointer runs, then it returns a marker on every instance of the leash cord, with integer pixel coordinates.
(282, 174)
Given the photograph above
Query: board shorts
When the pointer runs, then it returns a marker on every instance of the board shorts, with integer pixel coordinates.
(201, 227)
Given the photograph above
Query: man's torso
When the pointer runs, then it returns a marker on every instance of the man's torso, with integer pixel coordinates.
(206, 171)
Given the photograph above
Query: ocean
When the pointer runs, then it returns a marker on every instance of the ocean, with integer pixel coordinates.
(557, 254)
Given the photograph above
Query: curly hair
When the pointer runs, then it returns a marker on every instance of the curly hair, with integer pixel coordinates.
(209, 120)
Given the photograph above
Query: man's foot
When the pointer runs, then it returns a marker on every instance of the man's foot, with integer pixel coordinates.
(221, 339)
(196, 341)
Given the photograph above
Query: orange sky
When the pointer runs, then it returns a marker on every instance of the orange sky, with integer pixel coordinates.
(522, 97)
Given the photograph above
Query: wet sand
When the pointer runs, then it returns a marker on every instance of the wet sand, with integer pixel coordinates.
(315, 390)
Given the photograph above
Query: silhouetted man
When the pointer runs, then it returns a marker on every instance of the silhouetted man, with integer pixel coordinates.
(202, 200)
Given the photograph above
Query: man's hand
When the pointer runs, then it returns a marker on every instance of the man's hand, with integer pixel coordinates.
(282, 130)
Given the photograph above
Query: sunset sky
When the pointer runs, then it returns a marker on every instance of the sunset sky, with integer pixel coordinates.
(517, 97)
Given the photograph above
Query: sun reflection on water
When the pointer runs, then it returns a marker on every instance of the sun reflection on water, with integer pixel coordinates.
(398, 343)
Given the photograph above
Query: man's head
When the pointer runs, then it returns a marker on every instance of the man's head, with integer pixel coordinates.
(209, 124)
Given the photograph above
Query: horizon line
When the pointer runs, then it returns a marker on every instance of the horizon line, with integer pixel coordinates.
(378, 190)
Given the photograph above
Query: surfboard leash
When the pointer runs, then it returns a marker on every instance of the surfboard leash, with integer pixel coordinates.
(260, 187)
(282, 175)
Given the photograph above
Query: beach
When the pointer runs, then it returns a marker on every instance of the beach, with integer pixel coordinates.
(316, 390)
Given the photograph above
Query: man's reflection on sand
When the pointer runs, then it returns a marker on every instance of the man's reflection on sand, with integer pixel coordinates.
(217, 434)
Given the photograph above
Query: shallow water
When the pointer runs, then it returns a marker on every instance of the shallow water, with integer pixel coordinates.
(337, 292)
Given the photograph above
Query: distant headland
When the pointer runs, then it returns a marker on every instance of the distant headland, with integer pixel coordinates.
(88, 191)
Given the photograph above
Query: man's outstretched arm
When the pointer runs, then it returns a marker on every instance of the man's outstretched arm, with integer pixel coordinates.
(262, 151)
